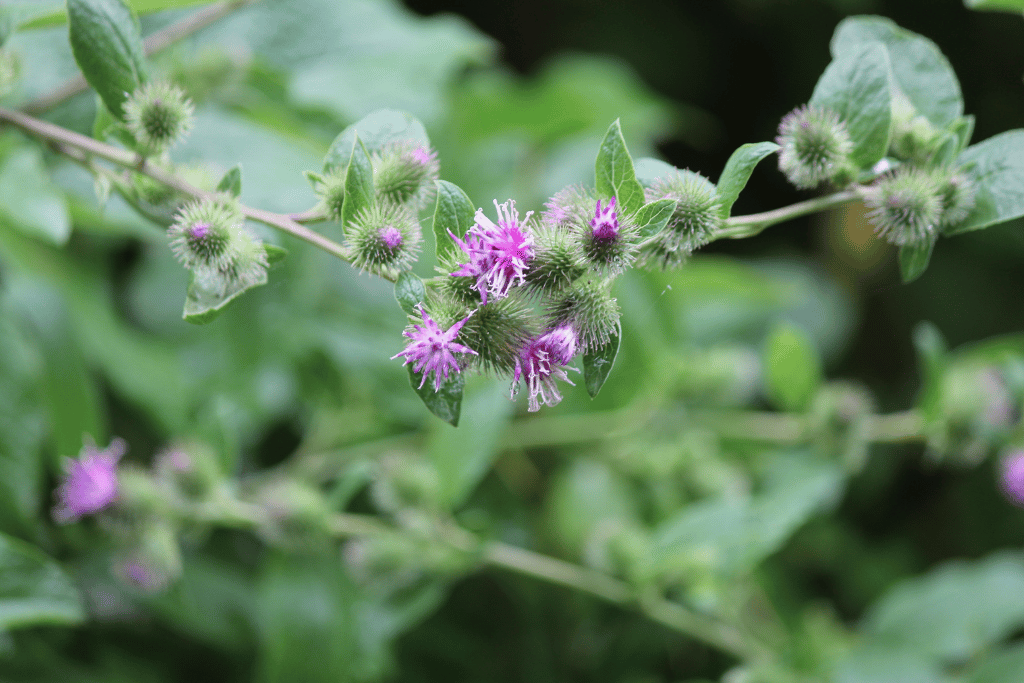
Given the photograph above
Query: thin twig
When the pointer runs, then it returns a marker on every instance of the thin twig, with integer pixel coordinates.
(738, 227)
(62, 136)
(158, 41)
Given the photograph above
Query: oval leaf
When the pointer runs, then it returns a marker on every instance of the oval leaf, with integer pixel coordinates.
(653, 217)
(453, 212)
(445, 403)
(208, 296)
(597, 364)
(410, 292)
(614, 171)
(107, 45)
(34, 590)
(856, 85)
(737, 172)
(996, 166)
(919, 68)
(275, 254)
(792, 368)
(376, 130)
(358, 183)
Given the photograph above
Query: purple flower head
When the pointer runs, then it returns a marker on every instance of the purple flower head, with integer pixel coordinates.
(542, 361)
(605, 223)
(499, 254)
(1012, 477)
(198, 231)
(423, 155)
(91, 482)
(433, 350)
(391, 237)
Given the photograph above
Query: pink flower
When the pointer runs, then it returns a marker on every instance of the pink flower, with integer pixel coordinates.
(605, 223)
(499, 254)
(91, 482)
(1012, 477)
(433, 350)
(542, 361)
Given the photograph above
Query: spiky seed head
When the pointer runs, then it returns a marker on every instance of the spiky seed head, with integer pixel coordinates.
(210, 238)
(383, 238)
(330, 187)
(497, 331)
(406, 173)
(158, 115)
(814, 146)
(557, 261)
(589, 309)
(693, 223)
(906, 206)
(957, 194)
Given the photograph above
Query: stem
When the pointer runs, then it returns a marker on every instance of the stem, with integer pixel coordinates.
(738, 227)
(154, 43)
(63, 138)
(897, 427)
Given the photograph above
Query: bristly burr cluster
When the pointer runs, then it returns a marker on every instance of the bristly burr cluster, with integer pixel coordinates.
(815, 146)
(158, 115)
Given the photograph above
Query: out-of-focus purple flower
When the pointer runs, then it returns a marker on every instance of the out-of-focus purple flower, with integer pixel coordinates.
(1012, 477)
(425, 156)
(499, 253)
(605, 223)
(91, 481)
(433, 349)
(542, 361)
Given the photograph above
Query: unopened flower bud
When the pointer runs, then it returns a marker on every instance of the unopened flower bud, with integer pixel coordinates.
(210, 238)
(155, 559)
(557, 262)
(190, 470)
(913, 138)
(405, 173)
(330, 187)
(496, 332)
(383, 238)
(905, 207)
(957, 196)
(692, 224)
(589, 309)
(815, 146)
(405, 481)
(158, 115)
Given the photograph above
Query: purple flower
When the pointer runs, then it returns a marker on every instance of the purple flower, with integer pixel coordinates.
(499, 254)
(424, 156)
(1012, 479)
(433, 350)
(391, 237)
(91, 482)
(542, 361)
(605, 223)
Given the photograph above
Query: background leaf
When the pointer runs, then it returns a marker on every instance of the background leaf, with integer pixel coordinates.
(737, 172)
(34, 590)
(598, 363)
(107, 45)
(856, 86)
(914, 260)
(792, 368)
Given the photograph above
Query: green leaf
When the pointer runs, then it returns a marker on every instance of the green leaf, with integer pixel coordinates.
(931, 358)
(107, 45)
(30, 201)
(871, 663)
(231, 182)
(614, 171)
(597, 363)
(996, 167)
(410, 292)
(996, 5)
(914, 260)
(572, 515)
(999, 667)
(737, 172)
(56, 16)
(856, 85)
(463, 456)
(919, 69)
(275, 254)
(930, 615)
(358, 183)
(453, 213)
(34, 590)
(209, 295)
(445, 403)
(376, 131)
(792, 368)
(653, 218)
(738, 533)
(649, 170)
